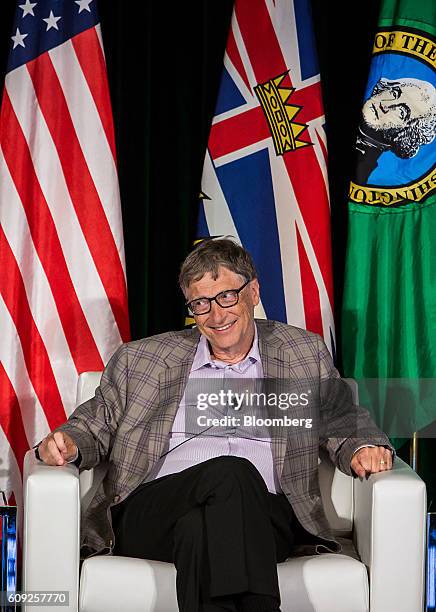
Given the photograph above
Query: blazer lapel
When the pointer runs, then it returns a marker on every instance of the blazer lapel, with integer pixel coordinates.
(279, 365)
(276, 366)
(172, 383)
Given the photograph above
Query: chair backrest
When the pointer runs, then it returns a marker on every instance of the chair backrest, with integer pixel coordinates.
(86, 386)
(337, 496)
(336, 487)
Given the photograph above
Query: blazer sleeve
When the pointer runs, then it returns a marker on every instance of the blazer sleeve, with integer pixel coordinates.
(94, 423)
(343, 426)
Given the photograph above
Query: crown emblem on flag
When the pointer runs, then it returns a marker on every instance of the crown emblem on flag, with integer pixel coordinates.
(274, 98)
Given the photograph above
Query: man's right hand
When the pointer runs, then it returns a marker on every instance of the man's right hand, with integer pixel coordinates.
(57, 448)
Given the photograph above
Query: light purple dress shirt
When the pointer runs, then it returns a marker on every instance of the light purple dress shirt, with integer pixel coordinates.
(204, 447)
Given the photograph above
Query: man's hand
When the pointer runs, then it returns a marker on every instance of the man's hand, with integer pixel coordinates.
(57, 448)
(370, 460)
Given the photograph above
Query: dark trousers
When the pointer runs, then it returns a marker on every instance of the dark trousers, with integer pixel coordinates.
(219, 525)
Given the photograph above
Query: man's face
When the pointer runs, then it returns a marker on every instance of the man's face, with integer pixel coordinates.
(230, 331)
(395, 103)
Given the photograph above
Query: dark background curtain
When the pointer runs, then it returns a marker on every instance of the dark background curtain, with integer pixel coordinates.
(164, 63)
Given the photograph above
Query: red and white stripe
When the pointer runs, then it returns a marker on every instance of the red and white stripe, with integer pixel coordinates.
(63, 296)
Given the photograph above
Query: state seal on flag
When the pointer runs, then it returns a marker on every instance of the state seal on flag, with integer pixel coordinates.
(396, 141)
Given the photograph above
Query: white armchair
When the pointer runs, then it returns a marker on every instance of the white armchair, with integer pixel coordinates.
(380, 523)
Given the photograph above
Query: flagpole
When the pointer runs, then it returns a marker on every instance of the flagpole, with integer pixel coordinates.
(414, 451)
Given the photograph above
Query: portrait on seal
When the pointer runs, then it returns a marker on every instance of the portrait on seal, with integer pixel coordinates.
(396, 139)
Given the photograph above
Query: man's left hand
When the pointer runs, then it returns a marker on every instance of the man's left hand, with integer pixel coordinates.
(370, 460)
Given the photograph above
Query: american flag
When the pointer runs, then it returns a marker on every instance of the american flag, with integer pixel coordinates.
(63, 297)
(264, 177)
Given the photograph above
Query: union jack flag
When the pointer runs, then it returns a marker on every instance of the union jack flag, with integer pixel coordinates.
(264, 177)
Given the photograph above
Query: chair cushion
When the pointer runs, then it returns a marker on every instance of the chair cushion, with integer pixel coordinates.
(321, 583)
(124, 584)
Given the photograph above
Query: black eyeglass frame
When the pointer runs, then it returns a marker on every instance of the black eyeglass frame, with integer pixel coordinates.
(214, 299)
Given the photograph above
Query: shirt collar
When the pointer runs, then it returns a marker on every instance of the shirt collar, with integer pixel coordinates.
(203, 357)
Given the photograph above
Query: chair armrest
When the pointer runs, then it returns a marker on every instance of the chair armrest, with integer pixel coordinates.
(51, 526)
(389, 531)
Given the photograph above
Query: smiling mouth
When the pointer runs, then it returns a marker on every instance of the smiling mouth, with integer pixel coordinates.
(223, 328)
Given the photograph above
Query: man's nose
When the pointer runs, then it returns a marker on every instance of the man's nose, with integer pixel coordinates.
(384, 107)
(216, 310)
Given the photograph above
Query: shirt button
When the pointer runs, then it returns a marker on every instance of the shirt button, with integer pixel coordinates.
(117, 499)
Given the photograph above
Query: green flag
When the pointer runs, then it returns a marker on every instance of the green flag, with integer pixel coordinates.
(389, 308)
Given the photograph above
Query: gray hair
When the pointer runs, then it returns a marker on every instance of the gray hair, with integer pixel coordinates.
(405, 142)
(209, 255)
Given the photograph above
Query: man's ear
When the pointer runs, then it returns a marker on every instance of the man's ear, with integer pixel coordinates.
(255, 291)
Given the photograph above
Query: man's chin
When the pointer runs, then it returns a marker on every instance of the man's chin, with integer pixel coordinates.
(376, 135)
(368, 126)
(222, 341)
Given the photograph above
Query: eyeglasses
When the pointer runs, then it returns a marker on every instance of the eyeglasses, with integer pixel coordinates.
(225, 299)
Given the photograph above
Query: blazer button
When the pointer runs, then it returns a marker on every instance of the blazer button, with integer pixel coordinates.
(117, 499)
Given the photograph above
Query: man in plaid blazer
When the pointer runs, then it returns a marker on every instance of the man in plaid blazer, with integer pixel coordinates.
(219, 520)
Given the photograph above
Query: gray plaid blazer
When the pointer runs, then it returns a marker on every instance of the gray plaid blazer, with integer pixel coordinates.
(128, 422)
